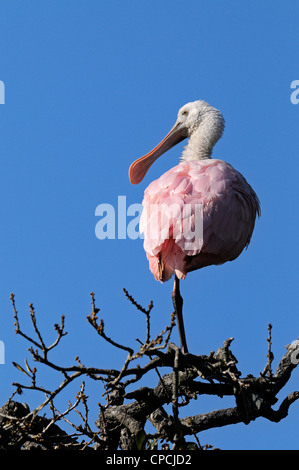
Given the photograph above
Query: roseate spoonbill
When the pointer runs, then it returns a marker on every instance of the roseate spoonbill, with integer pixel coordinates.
(229, 204)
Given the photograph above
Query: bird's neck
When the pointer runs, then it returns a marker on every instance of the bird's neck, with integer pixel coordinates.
(197, 148)
(202, 140)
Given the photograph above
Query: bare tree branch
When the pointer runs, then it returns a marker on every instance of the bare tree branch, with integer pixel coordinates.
(122, 421)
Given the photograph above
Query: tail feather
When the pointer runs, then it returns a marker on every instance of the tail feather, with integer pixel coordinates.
(170, 260)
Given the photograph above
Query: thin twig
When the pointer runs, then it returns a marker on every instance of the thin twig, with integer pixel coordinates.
(270, 355)
(143, 310)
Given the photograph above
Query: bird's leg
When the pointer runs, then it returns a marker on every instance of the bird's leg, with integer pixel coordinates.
(178, 308)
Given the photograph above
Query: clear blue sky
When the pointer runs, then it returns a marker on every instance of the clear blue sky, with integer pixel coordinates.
(90, 87)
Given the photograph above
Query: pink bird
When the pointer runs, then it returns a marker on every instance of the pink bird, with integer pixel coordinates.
(201, 212)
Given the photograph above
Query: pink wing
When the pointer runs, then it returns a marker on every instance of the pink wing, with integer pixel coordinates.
(208, 190)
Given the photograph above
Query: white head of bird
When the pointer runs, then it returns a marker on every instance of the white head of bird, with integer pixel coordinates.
(197, 120)
(204, 126)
